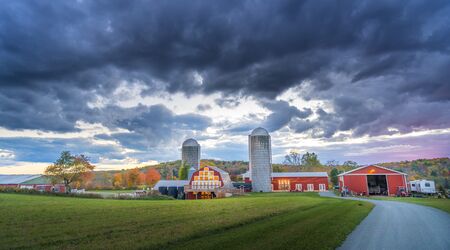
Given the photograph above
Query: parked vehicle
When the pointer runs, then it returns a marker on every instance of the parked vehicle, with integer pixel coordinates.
(345, 192)
(422, 187)
(401, 192)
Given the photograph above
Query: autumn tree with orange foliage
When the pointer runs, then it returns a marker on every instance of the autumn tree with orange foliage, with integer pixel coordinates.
(118, 180)
(141, 179)
(133, 177)
(152, 177)
(68, 169)
(85, 180)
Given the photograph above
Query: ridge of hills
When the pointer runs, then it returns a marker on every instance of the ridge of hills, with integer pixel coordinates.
(437, 169)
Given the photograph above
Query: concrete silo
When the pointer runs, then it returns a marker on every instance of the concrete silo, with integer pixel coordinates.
(190, 153)
(260, 156)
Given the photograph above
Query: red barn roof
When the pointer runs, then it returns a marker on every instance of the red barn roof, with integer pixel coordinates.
(371, 170)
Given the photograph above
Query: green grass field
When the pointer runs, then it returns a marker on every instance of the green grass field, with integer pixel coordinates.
(269, 221)
(443, 204)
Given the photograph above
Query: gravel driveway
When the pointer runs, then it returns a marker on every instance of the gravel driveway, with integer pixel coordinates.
(399, 225)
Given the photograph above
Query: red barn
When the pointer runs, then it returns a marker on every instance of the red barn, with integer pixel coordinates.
(27, 181)
(209, 182)
(373, 180)
(296, 181)
(300, 181)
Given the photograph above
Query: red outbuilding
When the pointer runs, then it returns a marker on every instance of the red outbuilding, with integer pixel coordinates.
(296, 181)
(373, 180)
(209, 182)
(27, 181)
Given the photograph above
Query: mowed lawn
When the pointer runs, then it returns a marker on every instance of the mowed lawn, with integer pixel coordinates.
(443, 204)
(268, 221)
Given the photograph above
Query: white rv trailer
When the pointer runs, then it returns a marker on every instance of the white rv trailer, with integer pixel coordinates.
(422, 186)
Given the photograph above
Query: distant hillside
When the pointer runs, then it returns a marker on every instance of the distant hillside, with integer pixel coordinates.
(435, 169)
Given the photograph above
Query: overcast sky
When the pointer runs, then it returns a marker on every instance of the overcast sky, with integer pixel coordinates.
(126, 82)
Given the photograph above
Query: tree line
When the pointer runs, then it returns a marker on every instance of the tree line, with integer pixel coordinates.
(310, 161)
(75, 171)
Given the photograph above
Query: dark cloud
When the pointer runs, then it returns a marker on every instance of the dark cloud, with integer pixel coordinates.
(377, 63)
(323, 127)
(228, 102)
(232, 44)
(148, 126)
(282, 114)
(203, 107)
(243, 127)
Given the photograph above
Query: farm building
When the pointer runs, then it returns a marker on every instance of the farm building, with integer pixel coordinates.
(208, 183)
(26, 181)
(373, 180)
(205, 183)
(174, 188)
(296, 181)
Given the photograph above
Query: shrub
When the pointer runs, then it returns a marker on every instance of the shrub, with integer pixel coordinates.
(35, 192)
(150, 195)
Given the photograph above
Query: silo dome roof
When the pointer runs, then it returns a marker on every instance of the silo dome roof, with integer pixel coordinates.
(190, 142)
(259, 131)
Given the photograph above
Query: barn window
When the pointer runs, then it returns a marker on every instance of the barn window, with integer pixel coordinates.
(284, 184)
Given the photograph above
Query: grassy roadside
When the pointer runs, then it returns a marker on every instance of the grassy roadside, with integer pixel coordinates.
(443, 204)
(286, 220)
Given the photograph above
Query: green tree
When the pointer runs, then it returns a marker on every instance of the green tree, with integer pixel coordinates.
(69, 168)
(164, 172)
(350, 164)
(184, 171)
(332, 163)
(277, 168)
(310, 160)
(334, 176)
(433, 173)
(293, 159)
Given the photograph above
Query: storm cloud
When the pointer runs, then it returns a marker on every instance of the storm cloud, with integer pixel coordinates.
(379, 66)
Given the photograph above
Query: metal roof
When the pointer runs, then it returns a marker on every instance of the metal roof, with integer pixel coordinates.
(372, 166)
(17, 178)
(225, 177)
(190, 143)
(300, 174)
(40, 180)
(292, 174)
(259, 131)
(221, 171)
(171, 183)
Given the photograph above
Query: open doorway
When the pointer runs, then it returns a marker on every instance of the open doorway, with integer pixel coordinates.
(377, 184)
